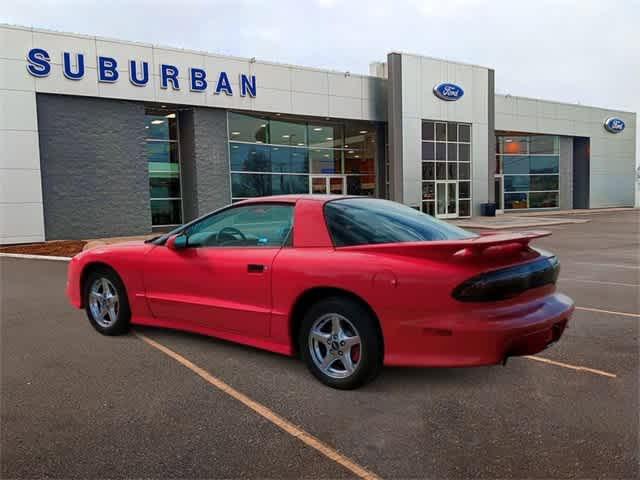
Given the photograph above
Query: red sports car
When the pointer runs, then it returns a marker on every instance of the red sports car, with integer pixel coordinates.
(348, 283)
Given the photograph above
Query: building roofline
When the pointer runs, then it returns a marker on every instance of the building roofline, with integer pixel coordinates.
(571, 104)
(184, 50)
(440, 59)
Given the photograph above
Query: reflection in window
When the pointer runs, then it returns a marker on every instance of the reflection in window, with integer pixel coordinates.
(246, 185)
(294, 148)
(163, 159)
(530, 165)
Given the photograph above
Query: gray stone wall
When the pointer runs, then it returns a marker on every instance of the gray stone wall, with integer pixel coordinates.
(95, 180)
(205, 161)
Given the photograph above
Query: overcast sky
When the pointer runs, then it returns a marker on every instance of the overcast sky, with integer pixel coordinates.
(585, 51)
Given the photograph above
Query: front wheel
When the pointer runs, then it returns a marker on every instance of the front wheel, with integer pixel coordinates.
(106, 302)
(340, 343)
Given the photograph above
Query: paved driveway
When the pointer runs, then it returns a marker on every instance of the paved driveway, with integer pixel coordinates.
(76, 404)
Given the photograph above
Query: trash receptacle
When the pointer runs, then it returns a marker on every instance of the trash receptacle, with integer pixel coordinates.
(488, 209)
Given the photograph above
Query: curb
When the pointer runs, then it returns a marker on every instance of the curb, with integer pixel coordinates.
(34, 257)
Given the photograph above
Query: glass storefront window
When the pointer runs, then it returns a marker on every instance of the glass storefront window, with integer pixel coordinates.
(543, 199)
(287, 133)
(247, 128)
(428, 151)
(246, 185)
(428, 132)
(428, 170)
(446, 157)
(166, 212)
(544, 164)
(464, 133)
(289, 160)
(530, 166)
(262, 144)
(513, 165)
(361, 185)
(250, 157)
(161, 126)
(325, 136)
(464, 152)
(325, 161)
(464, 171)
(163, 160)
(514, 201)
(541, 144)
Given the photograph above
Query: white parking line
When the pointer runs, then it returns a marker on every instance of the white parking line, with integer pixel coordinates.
(265, 412)
(614, 265)
(572, 367)
(610, 312)
(601, 282)
(34, 257)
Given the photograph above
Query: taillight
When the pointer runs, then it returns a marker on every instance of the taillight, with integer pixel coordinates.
(508, 282)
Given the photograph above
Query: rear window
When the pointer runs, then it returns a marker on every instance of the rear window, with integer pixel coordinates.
(365, 221)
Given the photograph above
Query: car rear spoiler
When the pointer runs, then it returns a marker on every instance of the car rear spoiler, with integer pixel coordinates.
(484, 246)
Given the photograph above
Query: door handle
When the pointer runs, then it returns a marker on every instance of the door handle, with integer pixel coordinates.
(255, 268)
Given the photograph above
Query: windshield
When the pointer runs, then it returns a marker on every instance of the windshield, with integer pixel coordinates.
(364, 221)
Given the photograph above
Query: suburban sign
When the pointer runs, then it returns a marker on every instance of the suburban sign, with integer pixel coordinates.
(108, 71)
(614, 124)
(448, 91)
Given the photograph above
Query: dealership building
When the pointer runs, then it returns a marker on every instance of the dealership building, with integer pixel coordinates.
(102, 137)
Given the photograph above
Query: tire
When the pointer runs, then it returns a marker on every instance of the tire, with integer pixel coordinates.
(110, 315)
(340, 342)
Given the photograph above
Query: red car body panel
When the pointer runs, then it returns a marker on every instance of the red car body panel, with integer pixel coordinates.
(408, 286)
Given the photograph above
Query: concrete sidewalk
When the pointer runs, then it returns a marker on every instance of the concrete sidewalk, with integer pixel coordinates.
(510, 221)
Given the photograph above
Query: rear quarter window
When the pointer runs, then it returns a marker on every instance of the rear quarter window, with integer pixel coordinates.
(364, 221)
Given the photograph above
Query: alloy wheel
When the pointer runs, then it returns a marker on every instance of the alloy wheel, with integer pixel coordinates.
(335, 347)
(104, 302)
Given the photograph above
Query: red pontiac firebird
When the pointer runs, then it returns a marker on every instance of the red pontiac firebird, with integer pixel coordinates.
(348, 283)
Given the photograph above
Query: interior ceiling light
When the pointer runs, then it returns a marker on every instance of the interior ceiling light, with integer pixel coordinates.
(363, 131)
(317, 129)
(346, 146)
(263, 125)
(329, 138)
(301, 144)
(171, 115)
(285, 136)
(235, 133)
(350, 151)
(157, 122)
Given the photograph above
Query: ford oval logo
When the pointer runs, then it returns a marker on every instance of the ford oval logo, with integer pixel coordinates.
(448, 92)
(614, 124)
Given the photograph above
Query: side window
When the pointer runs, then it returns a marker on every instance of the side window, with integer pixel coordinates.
(259, 225)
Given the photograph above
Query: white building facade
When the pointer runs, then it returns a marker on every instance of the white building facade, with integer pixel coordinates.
(102, 137)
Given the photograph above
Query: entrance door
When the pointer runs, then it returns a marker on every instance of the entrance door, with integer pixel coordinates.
(325, 184)
(447, 199)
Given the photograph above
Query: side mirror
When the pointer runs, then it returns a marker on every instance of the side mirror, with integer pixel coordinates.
(176, 242)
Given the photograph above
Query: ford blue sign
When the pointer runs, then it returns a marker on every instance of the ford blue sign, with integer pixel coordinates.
(448, 92)
(614, 124)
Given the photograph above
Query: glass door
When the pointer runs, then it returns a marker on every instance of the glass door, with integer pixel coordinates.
(328, 184)
(447, 199)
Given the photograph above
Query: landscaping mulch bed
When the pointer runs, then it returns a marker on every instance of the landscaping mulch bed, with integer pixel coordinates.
(62, 248)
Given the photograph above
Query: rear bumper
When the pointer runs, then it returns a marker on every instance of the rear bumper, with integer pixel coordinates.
(480, 335)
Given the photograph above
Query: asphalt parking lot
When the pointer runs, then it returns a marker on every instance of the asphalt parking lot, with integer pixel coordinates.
(77, 404)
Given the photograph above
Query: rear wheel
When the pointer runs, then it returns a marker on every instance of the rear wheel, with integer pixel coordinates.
(106, 302)
(340, 343)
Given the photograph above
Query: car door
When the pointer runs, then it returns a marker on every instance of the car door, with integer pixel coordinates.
(221, 279)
